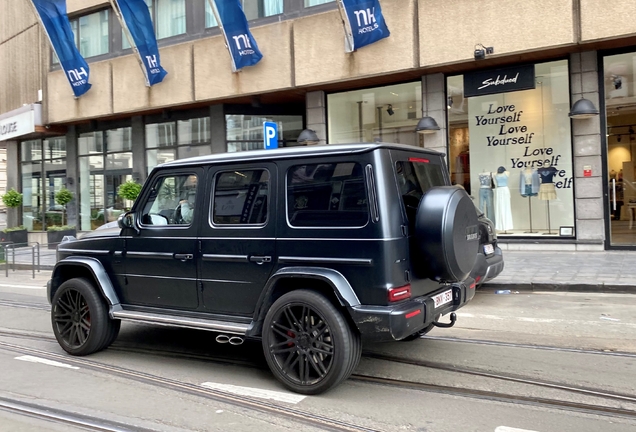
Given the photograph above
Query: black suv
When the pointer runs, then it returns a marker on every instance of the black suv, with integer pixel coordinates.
(313, 250)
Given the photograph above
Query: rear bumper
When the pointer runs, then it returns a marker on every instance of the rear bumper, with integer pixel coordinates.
(388, 323)
(487, 268)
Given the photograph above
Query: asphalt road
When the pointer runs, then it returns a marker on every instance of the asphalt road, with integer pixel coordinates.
(511, 358)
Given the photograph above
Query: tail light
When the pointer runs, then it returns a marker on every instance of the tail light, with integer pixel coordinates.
(400, 293)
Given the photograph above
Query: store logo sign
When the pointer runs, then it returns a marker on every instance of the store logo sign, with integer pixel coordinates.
(499, 81)
(17, 125)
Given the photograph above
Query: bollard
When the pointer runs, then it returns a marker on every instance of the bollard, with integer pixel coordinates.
(6, 261)
(38, 246)
(33, 261)
(13, 259)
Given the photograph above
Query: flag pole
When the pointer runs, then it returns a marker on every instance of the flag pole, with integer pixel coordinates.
(124, 27)
(347, 27)
(220, 24)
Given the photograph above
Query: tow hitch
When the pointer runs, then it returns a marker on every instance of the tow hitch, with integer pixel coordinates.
(453, 318)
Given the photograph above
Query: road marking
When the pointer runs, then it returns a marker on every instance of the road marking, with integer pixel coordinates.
(509, 429)
(254, 392)
(22, 286)
(544, 320)
(33, 359)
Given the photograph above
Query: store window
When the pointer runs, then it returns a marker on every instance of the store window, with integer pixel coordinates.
(387, 114)
(245, 132)
(253, 9)
(510, 146)
(43, 175)
(172, 140)
(105, 162)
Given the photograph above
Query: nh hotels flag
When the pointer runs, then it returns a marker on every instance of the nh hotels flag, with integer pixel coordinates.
(364, 22)
(52, 15)
(137, 23)
(238, 38)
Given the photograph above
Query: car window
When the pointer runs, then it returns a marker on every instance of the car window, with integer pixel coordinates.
(416, 176)
(327, 195)
(171, 201)
(241, 197)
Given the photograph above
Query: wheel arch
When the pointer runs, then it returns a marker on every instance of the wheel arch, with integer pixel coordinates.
(328, 282)
(90, 268)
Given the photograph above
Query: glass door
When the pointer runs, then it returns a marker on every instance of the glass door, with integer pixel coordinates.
(620, 103)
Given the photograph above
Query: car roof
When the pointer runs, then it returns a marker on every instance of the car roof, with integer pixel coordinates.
(294, 152)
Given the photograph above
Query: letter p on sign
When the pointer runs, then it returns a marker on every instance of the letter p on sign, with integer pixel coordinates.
(270, 134)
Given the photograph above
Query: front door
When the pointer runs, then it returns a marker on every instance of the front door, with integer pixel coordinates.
(620, 105)
(161, 259)
(238, 239)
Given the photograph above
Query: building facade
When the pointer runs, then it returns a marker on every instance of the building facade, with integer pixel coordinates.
(548, 180)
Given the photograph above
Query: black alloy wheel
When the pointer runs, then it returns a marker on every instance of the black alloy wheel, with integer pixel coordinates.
(308, 345)
(80, 318)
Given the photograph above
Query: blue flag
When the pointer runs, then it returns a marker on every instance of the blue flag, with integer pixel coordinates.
(238, 38)
(136, 19)
(365, 23)
(52, 14)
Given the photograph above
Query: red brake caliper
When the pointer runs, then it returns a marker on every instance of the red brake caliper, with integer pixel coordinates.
(291, 334)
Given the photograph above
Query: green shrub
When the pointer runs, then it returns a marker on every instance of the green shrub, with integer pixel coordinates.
(129, 190)
(12, 198)
(63, 196)
(60, 227)
(16, 228)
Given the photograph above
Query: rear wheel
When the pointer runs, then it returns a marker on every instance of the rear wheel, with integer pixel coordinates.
(308, 344)
(80, 318)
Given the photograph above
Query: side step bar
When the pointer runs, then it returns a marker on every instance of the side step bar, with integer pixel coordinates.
(179, 321)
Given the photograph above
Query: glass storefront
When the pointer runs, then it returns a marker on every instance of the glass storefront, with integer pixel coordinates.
(620, 106)
(43, 175)
(172, 140)
(245, 132)
(512, 151)
(387, 114)
(105, 162)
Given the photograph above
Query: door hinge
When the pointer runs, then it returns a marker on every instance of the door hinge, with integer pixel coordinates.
(405, 230)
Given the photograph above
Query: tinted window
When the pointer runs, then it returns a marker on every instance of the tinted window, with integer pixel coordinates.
(327, 195)
(417, 176)
(241, 197)
(171, 201)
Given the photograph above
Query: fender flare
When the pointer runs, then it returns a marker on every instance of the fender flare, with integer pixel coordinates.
(97, 270)
(340, 285)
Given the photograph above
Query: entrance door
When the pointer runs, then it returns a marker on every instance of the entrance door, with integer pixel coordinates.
(620, 102)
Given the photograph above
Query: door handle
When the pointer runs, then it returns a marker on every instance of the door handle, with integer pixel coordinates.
(183, 257)
(259, 259)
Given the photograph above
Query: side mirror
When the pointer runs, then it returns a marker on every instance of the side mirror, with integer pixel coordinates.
(127, 220)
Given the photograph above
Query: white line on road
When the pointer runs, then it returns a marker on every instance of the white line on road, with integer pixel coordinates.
(254, 392)
(545, 320)
(22, 286)
(33, 359)
(509, 429)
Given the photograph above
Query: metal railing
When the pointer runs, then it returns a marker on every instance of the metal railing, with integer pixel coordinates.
(20, 251)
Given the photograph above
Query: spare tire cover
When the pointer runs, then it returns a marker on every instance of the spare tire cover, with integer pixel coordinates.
(447, 232)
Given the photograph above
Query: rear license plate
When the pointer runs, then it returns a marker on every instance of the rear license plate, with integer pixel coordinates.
(443, 298)
(489, 249)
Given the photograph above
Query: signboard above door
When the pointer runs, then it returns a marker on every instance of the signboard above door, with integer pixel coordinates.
(499, 80)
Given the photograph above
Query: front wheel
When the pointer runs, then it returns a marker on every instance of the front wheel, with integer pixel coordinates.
(308, 344)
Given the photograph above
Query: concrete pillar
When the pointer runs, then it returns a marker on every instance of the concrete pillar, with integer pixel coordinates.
(316, 109)
(138, 137)
(13, 181)
(72, 176)
(434, 105)
(586, 134)
(217, 129)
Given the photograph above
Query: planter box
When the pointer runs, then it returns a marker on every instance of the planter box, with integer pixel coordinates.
(18, 238)
(53, 238)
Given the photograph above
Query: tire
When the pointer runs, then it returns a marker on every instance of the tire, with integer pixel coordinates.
(115, 325)
(309, 346)
(79, 316)
(447, 233)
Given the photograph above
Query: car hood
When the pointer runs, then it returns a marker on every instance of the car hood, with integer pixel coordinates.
(110, 229)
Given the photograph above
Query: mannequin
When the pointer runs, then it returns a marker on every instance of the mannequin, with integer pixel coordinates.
(486, 195)
(547, 191)
(529, 183)
(502, 200)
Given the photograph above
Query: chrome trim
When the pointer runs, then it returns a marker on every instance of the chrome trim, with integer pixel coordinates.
(225, 258)
(322, 260)
(85, 251)
(226, 281)
(340, 239)
(118, 253)
(171, 320)
(151, 254)
(145, 276)
(239, 238)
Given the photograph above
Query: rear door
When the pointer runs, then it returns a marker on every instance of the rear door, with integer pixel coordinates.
(237, 243)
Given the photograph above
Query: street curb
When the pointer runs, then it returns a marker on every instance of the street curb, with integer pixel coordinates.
(43, 267)
(561, 287)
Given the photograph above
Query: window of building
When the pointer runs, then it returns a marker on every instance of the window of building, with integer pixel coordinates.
(91, 35)
(512, 150)
(168, 16)
(43, 175)
(387, 114)
(245, 132)
(310, 3)
(327, 195)
(172, 140)
(241, 197)
(253, 9)
(105, 162)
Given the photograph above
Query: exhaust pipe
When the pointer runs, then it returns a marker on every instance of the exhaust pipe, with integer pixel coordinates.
(234, 340)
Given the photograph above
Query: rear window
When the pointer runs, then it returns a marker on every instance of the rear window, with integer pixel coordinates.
(416, 176)
(327, 195)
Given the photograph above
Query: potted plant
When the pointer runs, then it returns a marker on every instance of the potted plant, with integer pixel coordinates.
(56, 233)
(129, 190)
(63, 197)
(18, 234)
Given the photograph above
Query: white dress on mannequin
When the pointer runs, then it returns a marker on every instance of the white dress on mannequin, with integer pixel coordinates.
(503, 212)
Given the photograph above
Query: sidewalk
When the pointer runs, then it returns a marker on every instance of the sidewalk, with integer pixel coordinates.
(606, 271)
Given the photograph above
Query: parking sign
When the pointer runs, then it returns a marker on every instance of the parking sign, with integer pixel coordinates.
(270, 134)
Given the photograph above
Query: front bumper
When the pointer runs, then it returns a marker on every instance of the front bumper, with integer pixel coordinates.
(388, 323)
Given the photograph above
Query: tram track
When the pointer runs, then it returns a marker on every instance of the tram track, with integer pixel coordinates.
(596, 409)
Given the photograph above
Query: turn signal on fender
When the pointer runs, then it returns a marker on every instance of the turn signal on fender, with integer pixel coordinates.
(400, 293)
